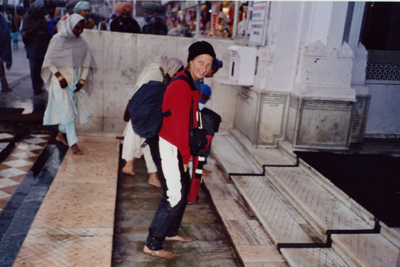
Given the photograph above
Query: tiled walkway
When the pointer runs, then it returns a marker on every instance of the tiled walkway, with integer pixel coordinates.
(75, 223)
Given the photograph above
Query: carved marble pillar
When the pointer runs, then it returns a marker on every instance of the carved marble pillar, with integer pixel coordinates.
(322, 104)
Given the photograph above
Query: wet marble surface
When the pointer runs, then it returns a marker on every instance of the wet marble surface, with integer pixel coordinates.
(136, 205)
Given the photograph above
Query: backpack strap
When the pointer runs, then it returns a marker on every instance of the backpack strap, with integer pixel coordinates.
(187, 78)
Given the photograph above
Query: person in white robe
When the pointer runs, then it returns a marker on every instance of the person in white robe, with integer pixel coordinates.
(162, 69)
(67, 65)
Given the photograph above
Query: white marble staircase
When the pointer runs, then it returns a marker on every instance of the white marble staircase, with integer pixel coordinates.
(308, 220)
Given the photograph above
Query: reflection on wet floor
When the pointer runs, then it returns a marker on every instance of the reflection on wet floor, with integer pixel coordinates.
(23, 98)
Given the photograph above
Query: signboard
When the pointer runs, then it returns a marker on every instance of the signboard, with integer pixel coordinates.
(258, 23)
(214, 21)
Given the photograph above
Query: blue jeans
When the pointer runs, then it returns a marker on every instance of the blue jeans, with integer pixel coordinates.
(167, 219)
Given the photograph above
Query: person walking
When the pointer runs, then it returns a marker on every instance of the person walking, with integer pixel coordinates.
(171, 151)
(162, 69)
(36, 39)
(5, 53)
(66, 68)
(124, 22)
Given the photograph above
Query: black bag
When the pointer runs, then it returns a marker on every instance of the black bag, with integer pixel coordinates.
(210, 120)
(145, 108)
(197, 136)
(197, 141)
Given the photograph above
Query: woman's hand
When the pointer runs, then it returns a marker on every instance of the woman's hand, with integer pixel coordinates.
(61, 80)
(79, 85)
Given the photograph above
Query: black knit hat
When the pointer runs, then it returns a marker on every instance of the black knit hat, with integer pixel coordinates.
(200, 48)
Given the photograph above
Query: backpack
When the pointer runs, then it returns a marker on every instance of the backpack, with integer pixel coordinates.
(145, 108)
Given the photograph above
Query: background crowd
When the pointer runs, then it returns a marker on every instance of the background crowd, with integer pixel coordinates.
(176, 18)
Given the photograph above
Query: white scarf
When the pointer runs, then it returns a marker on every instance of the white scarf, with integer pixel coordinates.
(67, 50)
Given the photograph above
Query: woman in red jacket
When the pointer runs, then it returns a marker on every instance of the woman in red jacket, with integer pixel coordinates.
(171, 151)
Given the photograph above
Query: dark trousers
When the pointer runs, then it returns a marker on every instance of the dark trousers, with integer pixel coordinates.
(167, 219)
(3, 80)
(36, 68)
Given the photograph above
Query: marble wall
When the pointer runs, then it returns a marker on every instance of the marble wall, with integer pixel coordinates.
(120, 57)
(264, 119)
(317, 123)
(383, 117)
(303, 87)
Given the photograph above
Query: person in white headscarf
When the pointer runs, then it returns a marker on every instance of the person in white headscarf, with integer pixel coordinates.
(66, 67)
(162, 69)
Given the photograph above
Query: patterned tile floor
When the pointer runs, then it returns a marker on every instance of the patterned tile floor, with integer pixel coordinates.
(28, 164)
(20, 155)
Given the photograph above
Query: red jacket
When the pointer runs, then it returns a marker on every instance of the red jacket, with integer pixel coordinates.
(175, 128)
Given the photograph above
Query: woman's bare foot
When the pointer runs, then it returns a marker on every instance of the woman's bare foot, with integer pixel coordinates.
(153, 180)
(159, 253)
(128, 168)
(183, 239)
(61, 138)
(75, 150)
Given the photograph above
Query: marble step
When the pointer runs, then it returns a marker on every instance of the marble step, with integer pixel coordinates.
(252, 244)
(320, 207)
(367, 249)
(281, 225)
(392, 234)
(232, 159)
(282, 222)
(344, 213)
(261, 157)
(302, 197)
(314, 257)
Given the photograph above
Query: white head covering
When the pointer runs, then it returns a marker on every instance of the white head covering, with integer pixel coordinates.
(69, 25)
(173, 65)
(169, 65)
(67, 50)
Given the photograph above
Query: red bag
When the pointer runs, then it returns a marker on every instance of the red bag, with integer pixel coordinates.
(193, 195)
